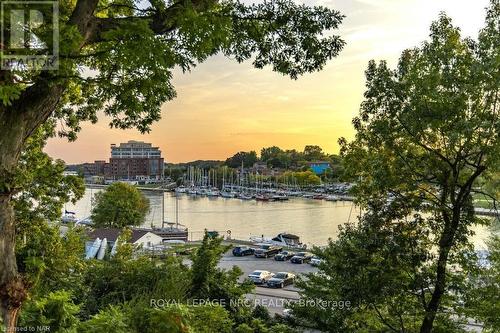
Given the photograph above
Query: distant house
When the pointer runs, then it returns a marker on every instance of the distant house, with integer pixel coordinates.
(143, 238)
(259, 166)
(319, 167)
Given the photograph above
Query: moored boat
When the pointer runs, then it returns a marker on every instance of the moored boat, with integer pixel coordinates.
(282, 239)
(226, 194)
(331, 198)
(245, 196)
(261, 197)
(68, 217)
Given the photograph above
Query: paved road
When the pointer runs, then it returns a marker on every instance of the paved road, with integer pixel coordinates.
(249, 264)
(273, 299)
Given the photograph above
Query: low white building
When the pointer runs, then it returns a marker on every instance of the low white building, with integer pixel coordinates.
(140, 237)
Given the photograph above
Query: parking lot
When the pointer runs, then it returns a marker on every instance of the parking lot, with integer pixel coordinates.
(273, 299)
(249, 263)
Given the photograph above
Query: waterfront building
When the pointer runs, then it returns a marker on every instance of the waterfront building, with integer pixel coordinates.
(319, 167)
(135, 160)
(132, 161)
(140, 237)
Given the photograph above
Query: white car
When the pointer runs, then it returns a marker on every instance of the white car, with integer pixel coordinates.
(260, 277)
(315, 261)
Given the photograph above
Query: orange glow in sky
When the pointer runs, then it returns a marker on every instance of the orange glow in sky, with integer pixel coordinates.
(223, 107)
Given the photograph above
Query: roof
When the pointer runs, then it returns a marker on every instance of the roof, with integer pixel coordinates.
(111, 234)
(290, 236)
(318, 162)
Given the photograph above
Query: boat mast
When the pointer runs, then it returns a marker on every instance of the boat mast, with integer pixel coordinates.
(163, 210)
(177, 210)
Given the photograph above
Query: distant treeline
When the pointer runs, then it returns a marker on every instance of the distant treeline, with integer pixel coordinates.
(273, 157)
(276, 157)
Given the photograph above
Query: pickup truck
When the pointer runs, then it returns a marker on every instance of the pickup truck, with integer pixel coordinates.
(266, 251)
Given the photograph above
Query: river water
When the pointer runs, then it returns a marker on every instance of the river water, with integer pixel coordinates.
(314, 221)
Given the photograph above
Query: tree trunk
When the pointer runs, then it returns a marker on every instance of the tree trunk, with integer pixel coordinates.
(17, 122)
(439, 289)
(12, 287)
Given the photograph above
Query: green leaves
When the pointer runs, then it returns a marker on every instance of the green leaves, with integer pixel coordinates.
(210, 282)
(426, 132)
(9, 93)
(56, 310)
(119, 205)
(288, 37)
(122, 61)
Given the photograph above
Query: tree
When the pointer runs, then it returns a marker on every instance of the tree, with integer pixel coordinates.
(40, 251)
(111, 319)
(313, 153)
(275, 157)
(117, 58)
(303, 178)
(247, 159)
(119, 205)
(210, 282)
(426, 132)
(122, 280)
(56, 310)
(295, 157)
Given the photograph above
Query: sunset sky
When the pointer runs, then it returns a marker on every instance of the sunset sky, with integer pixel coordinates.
(223, 107)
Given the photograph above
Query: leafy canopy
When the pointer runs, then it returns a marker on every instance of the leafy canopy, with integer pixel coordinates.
(427, 131)
(119, 60)
(119, 205)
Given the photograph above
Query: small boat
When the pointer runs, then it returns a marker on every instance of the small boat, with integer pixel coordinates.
(92, 251)
(86, 221)
(245, 196)
(102, 249)
(226, 194)
(280, 197)
(171, 231)
(318, 197)
(68, 217)
(115, 247)
(282, 239)
(181, 189)
(331, 198)
(261, 197)
(213, 193)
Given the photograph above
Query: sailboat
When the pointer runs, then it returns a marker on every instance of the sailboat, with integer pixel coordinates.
(171, 231)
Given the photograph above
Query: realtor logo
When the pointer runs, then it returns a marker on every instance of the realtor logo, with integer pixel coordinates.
(29, 35)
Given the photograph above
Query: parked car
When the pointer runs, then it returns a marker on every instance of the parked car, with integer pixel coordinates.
(260, 277)
(301, 258)
(266, 251)
(284, 256)
(315, 261)
(241, 251)
(281, 279)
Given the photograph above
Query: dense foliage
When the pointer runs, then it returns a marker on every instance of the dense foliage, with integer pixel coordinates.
(116, 58)
(275, 157)
(119, 205)
(142, 294)
(426, 134)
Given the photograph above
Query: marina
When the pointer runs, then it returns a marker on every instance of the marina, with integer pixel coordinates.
(315, 221)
